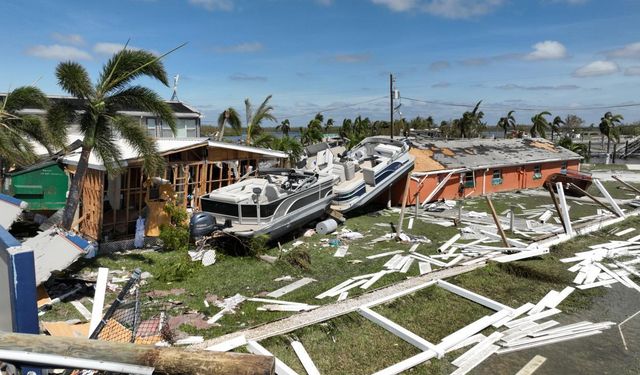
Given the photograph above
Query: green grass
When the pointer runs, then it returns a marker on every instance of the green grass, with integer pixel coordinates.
(619, 166)
(352, 345)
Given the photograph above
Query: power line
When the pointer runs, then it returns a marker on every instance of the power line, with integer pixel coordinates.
(330, 109)
(533, 108)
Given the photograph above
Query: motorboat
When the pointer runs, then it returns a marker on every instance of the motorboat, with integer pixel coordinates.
(367, 170)
(271, 202)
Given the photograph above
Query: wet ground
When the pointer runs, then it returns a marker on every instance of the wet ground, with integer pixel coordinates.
(598, 354)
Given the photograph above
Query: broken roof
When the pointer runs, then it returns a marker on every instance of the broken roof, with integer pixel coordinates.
(180, 109)
(440, 154)
(165, 146)
(251, 149)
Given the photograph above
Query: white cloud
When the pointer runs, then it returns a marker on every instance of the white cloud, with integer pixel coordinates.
(240, 48)
(107, 48)
(397, 5)
(632, 71)
(629, 51)
(453, 9)
(73, 39)
(352, 58)
(597, 68)
(547, 50)
(58, 52)
(213, 5)
(512, 86)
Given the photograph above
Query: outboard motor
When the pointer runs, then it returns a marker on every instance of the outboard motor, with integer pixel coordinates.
(202, 224)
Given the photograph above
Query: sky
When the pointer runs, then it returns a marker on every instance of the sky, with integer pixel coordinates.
(335, 56)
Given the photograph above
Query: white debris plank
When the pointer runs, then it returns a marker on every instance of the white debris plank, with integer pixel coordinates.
(531, 318)
(474, 361)
(347, 288)
(547, 342)
(410, 225)
(407, 363)
(286, 308)
(399, 331)
(414, 247)
(343, 296)
(385, 254)
(393, 261)
(471, 329)
(579, 279)
(519, 328)
(190, 340)
(274, 301)
(98, 298)
(482, 345)
(477, 298)
(337, 287)
(532, 365)
(398, 266)
(542, 304)
(281, 367)
(564, 209)
(514, 314)
(373, 280)
(560, 297)
(341, 252)
(608, 197)
(625, 231)
(291, 287)
(471, 340)
(612, 274)
(597, 284)
(568, 327)
(228, 345)
(407, 265)
(527, 332)
(82, 310)
(592, 273)
(304, 358)
(521, 255)
(455, 260)
(449, 242)
(424, 267)
(531, 340)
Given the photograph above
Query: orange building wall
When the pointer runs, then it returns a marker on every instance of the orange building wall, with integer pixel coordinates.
(513, 178)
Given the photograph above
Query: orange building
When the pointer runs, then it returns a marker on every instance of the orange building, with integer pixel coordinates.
(463, 168)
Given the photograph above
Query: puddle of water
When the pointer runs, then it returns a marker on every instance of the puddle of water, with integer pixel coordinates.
(598, 354)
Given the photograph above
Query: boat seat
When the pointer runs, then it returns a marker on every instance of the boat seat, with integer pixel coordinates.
(271, 193)
(369, 176)
(339, 170)
(388, 151)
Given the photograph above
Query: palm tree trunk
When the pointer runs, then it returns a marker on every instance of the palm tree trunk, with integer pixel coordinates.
(608, 144)
(221, 132)
(77, 183)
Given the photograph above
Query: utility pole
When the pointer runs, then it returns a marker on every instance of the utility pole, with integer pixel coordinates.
(391, 95)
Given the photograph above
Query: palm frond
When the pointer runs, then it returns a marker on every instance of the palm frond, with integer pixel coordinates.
(127, 65)
(25, 97)
(74, 79)
(142, 98)
(136, 137)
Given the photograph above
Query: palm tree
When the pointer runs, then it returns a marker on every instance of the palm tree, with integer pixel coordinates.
(507, 122)
(555, 125)
(539, 124)
(608, 127)
(470, 123)
(100, 123)
(328, 125)
(17, 130)
(578, 148)
(289, 146)
(263, 140)
(254, 119)
(229, 116)
(284, 127)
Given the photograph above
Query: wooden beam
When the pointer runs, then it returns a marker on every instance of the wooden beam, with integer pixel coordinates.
(554, 199)
(608, 197)
(163, 360)
(626, 184)
(497, 221)
(98, 298)
(564, 210)
(577, 188)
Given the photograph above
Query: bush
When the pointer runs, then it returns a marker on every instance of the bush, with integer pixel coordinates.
(299, 258)
(175, 237)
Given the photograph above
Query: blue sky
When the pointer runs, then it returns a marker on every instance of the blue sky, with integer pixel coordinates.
(312, 55)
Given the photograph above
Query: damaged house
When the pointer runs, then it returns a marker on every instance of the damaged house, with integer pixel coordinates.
(455, 169)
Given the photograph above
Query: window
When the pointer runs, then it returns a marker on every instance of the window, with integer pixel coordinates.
(563, 167)
(537, 172)
(185, 128)
(165, 131)
(151, 126)
(497, 177)
(469, 180)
